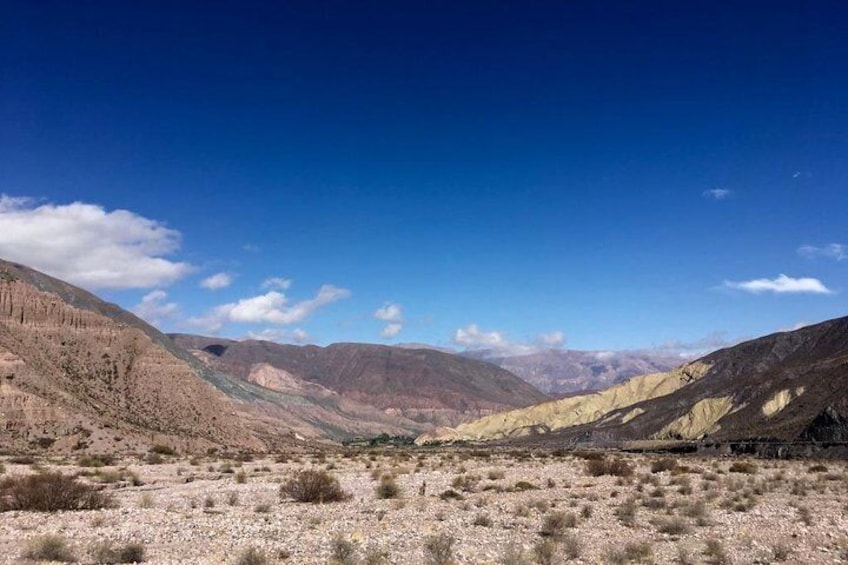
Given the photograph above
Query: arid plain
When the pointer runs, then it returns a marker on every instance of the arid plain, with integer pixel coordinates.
(439, 506)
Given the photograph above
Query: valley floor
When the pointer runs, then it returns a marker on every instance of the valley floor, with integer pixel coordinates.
(501, 507)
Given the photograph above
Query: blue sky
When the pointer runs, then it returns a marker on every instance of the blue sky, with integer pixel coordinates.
(605, 175)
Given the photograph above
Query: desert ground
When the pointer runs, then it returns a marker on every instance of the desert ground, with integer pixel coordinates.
(438, 506)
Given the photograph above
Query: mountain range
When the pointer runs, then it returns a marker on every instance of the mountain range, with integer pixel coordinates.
(77, 373)
(787, 387)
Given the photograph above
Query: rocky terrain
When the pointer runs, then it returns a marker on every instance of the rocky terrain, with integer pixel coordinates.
(498, 507)
(566, 371)
(77, 373)
(787, 386)
(424, 385)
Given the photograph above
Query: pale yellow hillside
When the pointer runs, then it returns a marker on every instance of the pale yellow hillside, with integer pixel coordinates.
(567, 412)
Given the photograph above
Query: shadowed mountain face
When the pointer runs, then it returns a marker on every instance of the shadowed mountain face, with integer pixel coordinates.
(786, 386)
(424, 385)
(561, 372)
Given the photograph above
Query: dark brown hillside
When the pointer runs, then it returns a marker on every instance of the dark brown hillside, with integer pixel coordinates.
(421, 384)
(787, 386)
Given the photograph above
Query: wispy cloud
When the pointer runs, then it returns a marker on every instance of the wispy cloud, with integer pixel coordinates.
(781, 285)
(217, 281)
(836, 251)
(472, 338)
(551, 339)
(794, 327)
(88, 245)
(694, 348)
(154, 308)
(393, 315)
(277, 283)
(296, 336)
(718, 193)
(271, 308)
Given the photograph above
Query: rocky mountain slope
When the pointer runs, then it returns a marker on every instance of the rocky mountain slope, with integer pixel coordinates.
(423, 385)
(565, 371)
(787, 386)
(76, 372)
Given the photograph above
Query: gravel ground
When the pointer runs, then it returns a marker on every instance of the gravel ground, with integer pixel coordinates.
(198, 512)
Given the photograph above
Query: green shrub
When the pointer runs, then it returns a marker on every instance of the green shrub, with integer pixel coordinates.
(49, 492)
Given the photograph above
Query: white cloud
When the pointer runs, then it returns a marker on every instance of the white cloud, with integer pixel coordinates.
(270, 308)
(216, 281)
(837, 251)
(781, 285)
(552, 339)
(393, 314)
(154, 309)
(251, 248)
(718, 193)
(794, 327)
(391, 330)
(297, 335)
(277, 283)
(86, 245)
(389, 313)
(473, 338)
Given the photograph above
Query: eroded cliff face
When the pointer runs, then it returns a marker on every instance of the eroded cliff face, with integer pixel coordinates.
(71, 377)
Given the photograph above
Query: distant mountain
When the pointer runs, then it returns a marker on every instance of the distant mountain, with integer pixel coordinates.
(788, 386)
(424, 385)
(562, 371)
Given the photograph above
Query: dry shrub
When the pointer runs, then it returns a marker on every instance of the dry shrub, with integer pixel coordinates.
(615, 467)
(745, 467)
(387, 488)
(50, 492)
(438, 549)
(108, 553)
(251, 556)
(342, 551)
(49, 548)
(555, 523)
(664, 464)
(313, 485)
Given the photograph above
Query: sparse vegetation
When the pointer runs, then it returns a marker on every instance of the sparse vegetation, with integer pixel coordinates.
(388, 488)
(251, 556)
(313, 485)
(613, 466)
(49, 548)
(50, 492)
(108, 553)
(438, 549)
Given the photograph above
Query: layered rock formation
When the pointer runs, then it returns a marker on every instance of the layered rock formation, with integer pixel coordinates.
(423, 385)
(790, 386)
(78, 373)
